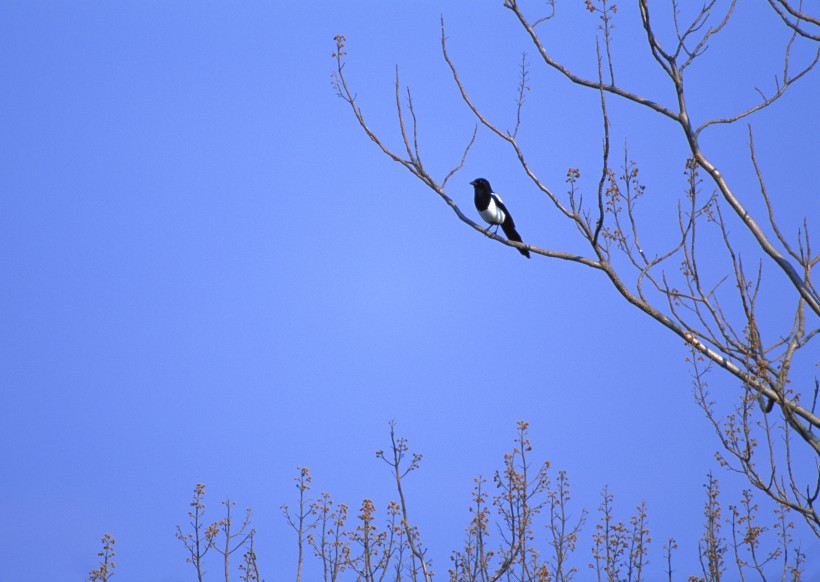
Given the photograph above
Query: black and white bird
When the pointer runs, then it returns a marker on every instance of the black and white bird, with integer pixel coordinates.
(492, 210)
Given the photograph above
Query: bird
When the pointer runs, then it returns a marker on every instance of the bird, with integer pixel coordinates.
(492, 210)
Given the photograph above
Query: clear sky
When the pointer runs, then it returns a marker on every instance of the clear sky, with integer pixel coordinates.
(210, 274)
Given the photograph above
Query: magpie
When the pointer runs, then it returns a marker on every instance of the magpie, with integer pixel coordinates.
(492, 210)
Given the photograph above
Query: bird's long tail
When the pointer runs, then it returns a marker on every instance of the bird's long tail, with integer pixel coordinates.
(509, 229)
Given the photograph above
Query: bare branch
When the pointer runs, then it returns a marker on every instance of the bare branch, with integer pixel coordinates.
(784, 9)
(765, 194)
(605, 161)
(781, 89)
(463, 159)
(580, 80)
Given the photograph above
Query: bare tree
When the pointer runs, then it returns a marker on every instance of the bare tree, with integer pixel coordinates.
(524, 491)
(303, 520)
(234, 539)
(332, 546)
(249, 569)
(199, 539)
(563, 530)
(399, 450)
(712, 546)
(520, 498)
(372, 560)
(473, 561)
(531, 516)
(676, 285)
(670, 546)
(619, 550)
(105, 571)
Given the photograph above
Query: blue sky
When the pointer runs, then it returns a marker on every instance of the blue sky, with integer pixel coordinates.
(211, 274)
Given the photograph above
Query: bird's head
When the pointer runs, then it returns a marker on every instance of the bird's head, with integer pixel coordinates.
(481, 184)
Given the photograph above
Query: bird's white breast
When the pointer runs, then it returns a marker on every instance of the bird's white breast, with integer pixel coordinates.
(493, 214)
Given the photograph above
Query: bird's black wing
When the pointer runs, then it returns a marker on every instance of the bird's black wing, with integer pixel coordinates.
(508, 226)
(500, 204)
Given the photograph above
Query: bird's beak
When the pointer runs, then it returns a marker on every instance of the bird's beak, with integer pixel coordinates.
(472, 183)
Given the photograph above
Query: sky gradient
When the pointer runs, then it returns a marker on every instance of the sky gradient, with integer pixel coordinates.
(212, 275)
